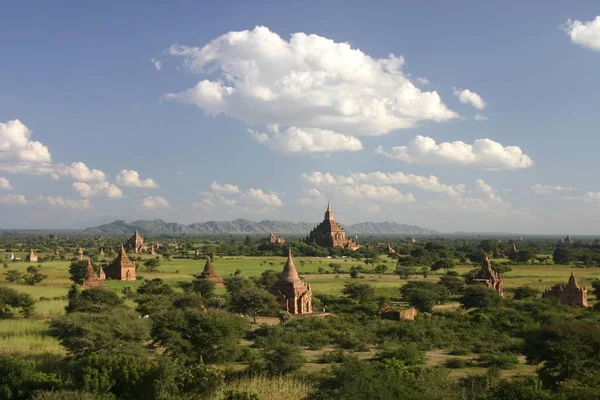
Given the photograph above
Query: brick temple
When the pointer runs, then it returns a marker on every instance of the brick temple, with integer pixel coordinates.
(293, 295)
(91, 279)
(122, 268)
(210, 274)
(571, 294)
(490, 278)
(330, 234)
(136, 243)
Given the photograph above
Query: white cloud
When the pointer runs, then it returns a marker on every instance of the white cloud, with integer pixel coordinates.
(423, 80)
(47, 201)
(315, 89)
(468, 97)
(131, 178)
(226, 188)
(104, 189)
(19, 154)
(538, 188)
(157, 64)
(383, 193)
(78, 171)
(306, 140)
(154, 203)
(589, 197)
(584, 33)
(5, 183)
(480, 118)
(232, 196)
(483, 153)
(427, 183)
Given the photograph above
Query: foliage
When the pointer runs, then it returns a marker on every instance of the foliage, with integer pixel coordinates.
(254, 302)
(454, 284)
(19, 378)
(522, 256)
(479, 296)
(204, 288)
(152, 264)
(361, 292)
(283, 359)
(424, 295)
(78, 271)
(94, 300)
(444, 263)
(11, 300)
(525, 292)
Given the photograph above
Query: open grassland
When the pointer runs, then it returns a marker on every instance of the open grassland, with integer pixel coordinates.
(29, 338)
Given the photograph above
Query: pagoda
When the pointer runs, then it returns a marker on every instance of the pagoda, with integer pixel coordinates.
(136, 243)
(91, 279)
(330, 234)
(122, 268)
(572, 293)
(293, 295)
(31, 256)
(210, 274)
(490, 278)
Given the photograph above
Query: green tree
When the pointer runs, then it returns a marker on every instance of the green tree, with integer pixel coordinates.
(94, 300)
(283, 358)
(525, 292)
(78, 271)
(444, 263)
(204, 288)
(267, 279)
(254, 302)
(13, 276)
(19, 378)
(11, 300)
(424, 295)
(361, 292)
(237, 284)
(522, 256)
(454, 284)
(563, 255)
(152, 264)
(478, 296)
(33, 276)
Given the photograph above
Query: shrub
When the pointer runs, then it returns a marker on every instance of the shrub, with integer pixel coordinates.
(456, 362)
(10, 300)
(283, 359)
(499, 360)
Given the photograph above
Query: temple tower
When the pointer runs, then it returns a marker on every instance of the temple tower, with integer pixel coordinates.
(293, 295)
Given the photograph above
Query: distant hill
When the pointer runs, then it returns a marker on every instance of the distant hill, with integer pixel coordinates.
(247, 227)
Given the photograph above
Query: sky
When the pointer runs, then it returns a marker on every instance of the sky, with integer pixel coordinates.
(454, 116)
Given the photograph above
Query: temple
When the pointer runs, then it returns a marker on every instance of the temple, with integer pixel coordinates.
(293, 295)
(490, 278)
(210, 274)
(31, 256)
(91, 279)
(273, 239)
(136, 243)
(122, 268)
(572, 293)
(330, 234)
(80, 253)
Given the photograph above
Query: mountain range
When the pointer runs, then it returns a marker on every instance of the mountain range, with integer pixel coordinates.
(244, 227)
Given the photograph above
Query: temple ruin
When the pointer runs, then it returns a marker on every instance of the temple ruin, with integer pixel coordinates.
(571, 294)
(330, 234)
(210, 274)
(293, 295)
(122, 268)
(91, 279)
(488, 277)
(31, 256)
(136, 243)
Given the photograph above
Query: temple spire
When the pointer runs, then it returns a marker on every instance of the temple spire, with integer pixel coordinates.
(289, 273)
(329, 212)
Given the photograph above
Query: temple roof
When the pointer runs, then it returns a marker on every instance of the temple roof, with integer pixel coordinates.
(89, 272)
(289, 273)
(572, 282)
(208, 267)
(122, 255)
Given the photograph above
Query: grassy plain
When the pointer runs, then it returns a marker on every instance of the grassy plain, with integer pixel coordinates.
(29, 337)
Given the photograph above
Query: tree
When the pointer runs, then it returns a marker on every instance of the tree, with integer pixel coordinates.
(596, 288)
(424, 295)
(11, 300)
(19, 378)
(521, 388)
(336, 267)
(119, 330)
(478, 296)
(94, 300)
(405, 272)
(152, 264)
(204, 288)
(267, 279)
(13, 276)
(155, 287)
(237, 284)
(563, 255)
(361, 292)
(381, 268)
(195, 336)
(33, 276)
(254, 302)
(525, 292)
(283, 358)
(444, 263)
(78, 271)
(453, 284)
(522, 256)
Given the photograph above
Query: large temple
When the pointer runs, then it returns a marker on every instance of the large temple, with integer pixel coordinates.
(572, 293)
(122, 268)
(330, 234)
(91, 279)
(490, 278)
(293, 295)
(136, 243)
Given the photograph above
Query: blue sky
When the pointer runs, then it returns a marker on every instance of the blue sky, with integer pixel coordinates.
(302, 103)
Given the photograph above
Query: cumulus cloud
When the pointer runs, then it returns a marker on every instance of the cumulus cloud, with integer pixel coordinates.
(584, 33)
(423, 80)
(20, 154)
(589, 197)
(47, 201)
(232, 196)
(131, 178)
(483, 153)
(480, 118)
(78, 171)
(383, 193)
(154, 203)
(427, 183)
(5, 183)
(157, 64)
(314, 88)
(306, 140)
(538, 188)
(102, 189)
(468, 97)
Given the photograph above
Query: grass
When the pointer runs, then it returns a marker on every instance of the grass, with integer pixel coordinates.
(267, 388)
(29, 338)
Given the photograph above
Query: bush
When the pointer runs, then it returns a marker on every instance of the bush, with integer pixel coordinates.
(499, 360)
(10, 300)
(283, 359)
(409, 354)
(19, 378)
(456, 362)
